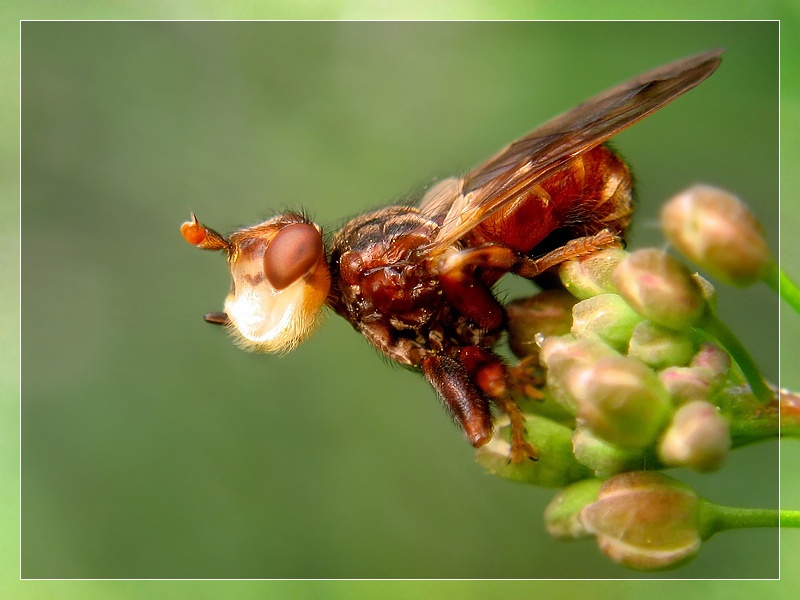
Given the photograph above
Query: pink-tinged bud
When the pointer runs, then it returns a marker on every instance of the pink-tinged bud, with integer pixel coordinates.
(602, 457)
(621, 400)
(555, 467)
(562, 515)
(698, 438)
(645, 520)
(562, 355)
(590, 276)
(659, 347)
(715, 360)
(565, 349)
(607, 318)
(660, 288)
(706, 374)
(548, 313)
(685, 384)
(716, 230)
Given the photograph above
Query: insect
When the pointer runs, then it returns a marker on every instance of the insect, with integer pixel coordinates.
(417, 281)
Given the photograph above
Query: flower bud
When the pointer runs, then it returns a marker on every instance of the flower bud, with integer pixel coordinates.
(659, 347)
(606, 317)
(620, 400)
(709, 293)
(548, 313)
(685, 384)
(558, 351)
(645, 520)
(562, 515)
(715, 360)
(660, 288)
(698, 437)
(563, 354)
(716, 230)
(706, 374)
(590, 276)
(555, 467)
(602, 457)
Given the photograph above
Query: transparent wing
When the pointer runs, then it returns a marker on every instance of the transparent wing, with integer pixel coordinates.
(527, 161)
(438, 200)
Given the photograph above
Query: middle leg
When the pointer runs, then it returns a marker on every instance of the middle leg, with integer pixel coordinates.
(466, 275)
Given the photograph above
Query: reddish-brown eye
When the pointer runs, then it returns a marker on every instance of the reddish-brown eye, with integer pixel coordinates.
(293, 251)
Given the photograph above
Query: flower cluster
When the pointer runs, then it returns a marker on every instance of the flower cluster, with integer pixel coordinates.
(641, 375)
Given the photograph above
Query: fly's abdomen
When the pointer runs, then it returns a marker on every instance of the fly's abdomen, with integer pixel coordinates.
(593, 192)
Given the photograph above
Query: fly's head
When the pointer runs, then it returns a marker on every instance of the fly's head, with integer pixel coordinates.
(279, 280)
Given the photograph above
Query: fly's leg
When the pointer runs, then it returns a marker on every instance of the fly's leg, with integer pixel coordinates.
(463, 399)
(575, 248)
(461, 273)
(525, 378)
(465, 277)
(521, 449)
(489, 373)
(460, 279)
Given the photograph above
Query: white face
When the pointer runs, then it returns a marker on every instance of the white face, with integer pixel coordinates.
(269, 320)
(280, 281)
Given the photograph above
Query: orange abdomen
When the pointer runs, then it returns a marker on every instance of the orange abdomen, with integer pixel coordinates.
(593, 192)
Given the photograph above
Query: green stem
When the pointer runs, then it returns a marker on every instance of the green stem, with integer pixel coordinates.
(782, 285)
(744, 432)
(790, 518)
(713, 325)
(715, 518)
(751, 421)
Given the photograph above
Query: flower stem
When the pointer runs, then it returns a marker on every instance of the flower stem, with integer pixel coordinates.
(790, 518)
(715, 518)
(782, 285)
(713, 325)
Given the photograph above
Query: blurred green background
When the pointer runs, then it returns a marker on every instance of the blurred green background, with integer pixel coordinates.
(153, 448)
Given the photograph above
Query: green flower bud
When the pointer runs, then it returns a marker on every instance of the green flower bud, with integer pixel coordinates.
(660, 288)
(563, 354)
(620, 400)
(716, 230)
(606, 317)
(659, 347)
(698, 437)
(548, 313)
(602, 457)
(645, 520)
(590, 276)
(556, 466)
(562, 515)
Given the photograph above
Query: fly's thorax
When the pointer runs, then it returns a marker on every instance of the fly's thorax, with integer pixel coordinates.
(379, 270)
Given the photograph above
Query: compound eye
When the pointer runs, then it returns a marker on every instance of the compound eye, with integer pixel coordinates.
(291, 254)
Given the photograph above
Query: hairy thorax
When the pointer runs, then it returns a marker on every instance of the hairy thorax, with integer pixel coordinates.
(389, 292)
